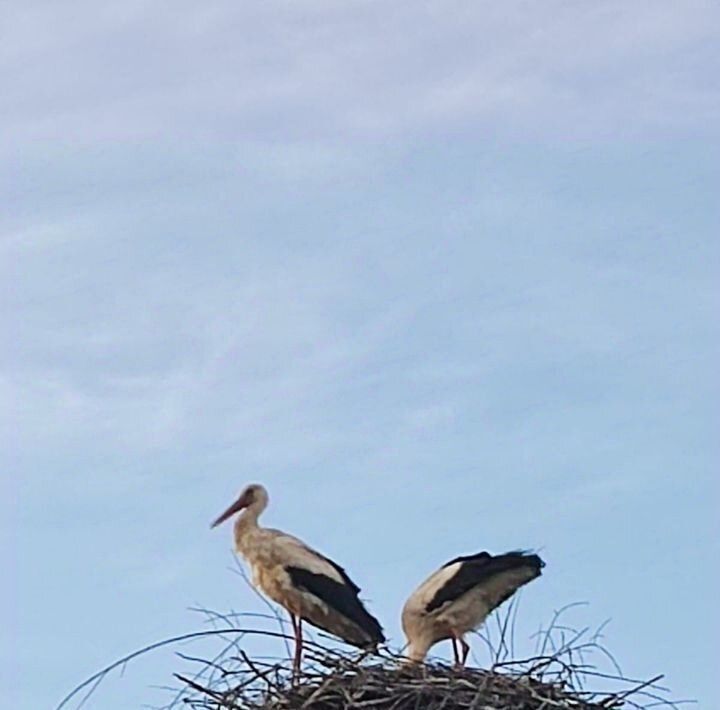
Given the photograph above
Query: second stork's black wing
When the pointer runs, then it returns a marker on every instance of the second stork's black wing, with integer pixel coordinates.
(479, 568)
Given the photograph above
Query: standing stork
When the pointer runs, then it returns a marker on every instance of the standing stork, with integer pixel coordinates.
(458, 597)
(308, 585)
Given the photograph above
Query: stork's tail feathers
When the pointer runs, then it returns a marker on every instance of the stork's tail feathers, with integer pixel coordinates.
(529, 560)
(516, 560)
(359, 627)
(372, 627)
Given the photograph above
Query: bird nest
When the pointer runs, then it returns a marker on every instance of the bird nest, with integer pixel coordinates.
(343, 684)
(332, 681)
(561, 675)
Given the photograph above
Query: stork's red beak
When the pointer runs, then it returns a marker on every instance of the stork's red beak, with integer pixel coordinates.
(242, 502)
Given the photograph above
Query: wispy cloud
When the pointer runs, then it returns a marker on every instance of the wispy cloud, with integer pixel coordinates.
(410, 265)
(280, 72)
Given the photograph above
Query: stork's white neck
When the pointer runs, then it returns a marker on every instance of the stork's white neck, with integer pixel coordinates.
(246, 524)
(417, 650)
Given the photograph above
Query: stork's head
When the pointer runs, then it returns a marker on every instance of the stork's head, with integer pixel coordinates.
(253, 496)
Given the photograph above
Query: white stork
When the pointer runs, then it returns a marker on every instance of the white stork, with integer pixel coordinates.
(308, 585)
(458, 597)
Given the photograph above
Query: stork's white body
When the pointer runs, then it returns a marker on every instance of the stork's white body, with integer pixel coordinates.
(457, 598)
(306, 583)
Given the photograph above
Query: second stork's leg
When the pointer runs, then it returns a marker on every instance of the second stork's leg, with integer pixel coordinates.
(456, 655)
(465, 651)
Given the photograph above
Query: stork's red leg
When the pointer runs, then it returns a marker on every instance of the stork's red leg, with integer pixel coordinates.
(465, 651)
(296, 634)
(456, 656)
(297, 630)
(299, 643)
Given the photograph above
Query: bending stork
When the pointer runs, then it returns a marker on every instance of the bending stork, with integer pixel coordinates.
(308, 585)
(458, 597)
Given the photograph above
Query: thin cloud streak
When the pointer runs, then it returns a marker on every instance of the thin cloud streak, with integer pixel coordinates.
(442, 277)
(372, 73)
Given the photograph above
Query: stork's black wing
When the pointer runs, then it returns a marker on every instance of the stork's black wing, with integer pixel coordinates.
(479, 568)
(478, 557)
(341, 572)
(332, 563)
(340, 596)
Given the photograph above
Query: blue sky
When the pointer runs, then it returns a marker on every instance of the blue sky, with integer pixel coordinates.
(443, 277)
